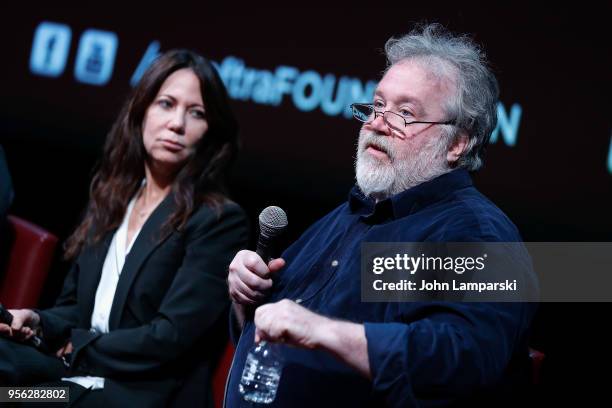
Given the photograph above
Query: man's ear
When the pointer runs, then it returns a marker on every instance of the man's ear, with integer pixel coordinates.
(457, 148)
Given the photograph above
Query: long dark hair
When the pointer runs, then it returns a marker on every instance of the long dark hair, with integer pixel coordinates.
(119, 174)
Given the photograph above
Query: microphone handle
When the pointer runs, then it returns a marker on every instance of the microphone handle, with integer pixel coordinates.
(264, 247)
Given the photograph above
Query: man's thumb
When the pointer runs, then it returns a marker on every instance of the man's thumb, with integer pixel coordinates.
(276, 264)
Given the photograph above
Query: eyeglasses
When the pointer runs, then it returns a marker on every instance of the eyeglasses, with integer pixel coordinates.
(365, 112)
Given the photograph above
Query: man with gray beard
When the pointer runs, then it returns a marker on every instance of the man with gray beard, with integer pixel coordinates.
(426, 128)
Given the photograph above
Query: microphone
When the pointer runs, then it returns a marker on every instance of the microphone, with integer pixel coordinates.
(7, 317)
(272, 223)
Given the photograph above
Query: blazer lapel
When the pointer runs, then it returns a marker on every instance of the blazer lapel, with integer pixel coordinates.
(91, 261)
(148, 239)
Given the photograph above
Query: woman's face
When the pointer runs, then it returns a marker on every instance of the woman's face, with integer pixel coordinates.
(175, 121)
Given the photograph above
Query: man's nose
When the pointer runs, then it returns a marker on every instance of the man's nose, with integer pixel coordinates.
(380, 126)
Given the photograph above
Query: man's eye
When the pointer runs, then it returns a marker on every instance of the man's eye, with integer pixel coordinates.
(405, 113)
(378, 104)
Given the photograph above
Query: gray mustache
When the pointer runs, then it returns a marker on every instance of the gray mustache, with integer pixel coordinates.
(369, 138)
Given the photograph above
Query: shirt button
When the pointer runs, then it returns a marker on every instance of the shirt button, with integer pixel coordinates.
(335, 263)
(298, 301)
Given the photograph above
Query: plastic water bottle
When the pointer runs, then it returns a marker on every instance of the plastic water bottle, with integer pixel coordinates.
(261, 374)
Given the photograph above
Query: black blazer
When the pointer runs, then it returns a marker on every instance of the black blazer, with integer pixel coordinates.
(169, 310)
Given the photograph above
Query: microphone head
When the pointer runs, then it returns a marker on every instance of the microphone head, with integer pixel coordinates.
(272, 221)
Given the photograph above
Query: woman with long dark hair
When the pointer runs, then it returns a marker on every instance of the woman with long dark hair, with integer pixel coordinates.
(146, 298)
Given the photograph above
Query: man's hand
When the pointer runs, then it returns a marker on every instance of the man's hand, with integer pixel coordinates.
(290, 323)
(249, 278)
(24, 325)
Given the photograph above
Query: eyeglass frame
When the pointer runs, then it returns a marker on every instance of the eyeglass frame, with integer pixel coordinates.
(382, 113)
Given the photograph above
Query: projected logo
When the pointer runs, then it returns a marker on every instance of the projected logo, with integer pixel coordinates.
(507, 124)
(305, 90)
(95, 57)
(310, 90)
(50, 49)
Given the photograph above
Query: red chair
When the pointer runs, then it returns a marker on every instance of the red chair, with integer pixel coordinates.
(30, 252)
(193, 393)
(220, 375)
(537, 358)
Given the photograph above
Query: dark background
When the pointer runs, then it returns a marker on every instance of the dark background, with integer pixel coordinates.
(554, 183)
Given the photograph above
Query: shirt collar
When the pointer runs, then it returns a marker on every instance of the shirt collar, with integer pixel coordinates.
(408, 201)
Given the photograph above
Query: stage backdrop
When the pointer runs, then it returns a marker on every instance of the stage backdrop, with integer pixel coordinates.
(291, 74)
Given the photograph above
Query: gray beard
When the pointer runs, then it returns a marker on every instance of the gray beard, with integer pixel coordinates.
(379, 179)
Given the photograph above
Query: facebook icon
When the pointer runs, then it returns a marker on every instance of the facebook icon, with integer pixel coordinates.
(50, 49)
(95, 57)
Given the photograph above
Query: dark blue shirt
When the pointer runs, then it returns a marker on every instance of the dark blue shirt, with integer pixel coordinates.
(420, 353)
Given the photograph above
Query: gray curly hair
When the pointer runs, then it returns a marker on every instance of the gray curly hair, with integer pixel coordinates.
(474, 105)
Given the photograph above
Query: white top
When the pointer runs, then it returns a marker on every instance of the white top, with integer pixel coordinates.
(113, 264)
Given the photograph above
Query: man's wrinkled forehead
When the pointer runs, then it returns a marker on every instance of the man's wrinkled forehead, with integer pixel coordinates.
(413, 82)
(399, 90)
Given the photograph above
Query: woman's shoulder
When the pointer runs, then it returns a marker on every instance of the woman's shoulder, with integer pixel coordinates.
(210, 213)
(227, 220)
